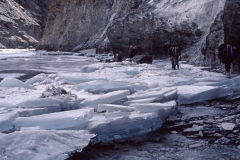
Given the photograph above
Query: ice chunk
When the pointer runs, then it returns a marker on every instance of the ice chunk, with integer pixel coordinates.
(7, 105)
(105, 98)
(233, 83)
(6, 121)
(12, 83)
(112, 108)
(114, 115)
(89, 69)
(32, 112)
(192, 94)
(42, 145)
(172, 95)
(38, 78)
(124, 127)
(145, 100)
(50, 104)
(60, 120)
(152, 107)
(101, 86)
(150, 94)
(77, 79)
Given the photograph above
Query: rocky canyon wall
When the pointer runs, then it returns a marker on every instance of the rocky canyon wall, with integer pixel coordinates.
(149, 24)
(114, 25)
(22, 22)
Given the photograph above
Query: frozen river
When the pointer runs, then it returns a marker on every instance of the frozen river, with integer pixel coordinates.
(50, 99)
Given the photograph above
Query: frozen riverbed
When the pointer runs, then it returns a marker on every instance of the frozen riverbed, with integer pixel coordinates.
(63, 95)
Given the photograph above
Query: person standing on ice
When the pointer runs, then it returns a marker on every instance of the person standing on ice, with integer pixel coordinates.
(174, 52)
(226, 54)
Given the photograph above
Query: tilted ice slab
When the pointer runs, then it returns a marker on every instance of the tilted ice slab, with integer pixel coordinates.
(76, 79)
(7, 105)
(12, 83)
(130, 123)
(28, 112)
(124, 126)
(38, 78)
(101, 86)
(112, 108)
(105, 98)
(150, 94)
(168, 96)
(192, 94)
(144, 100)
(42, 145)
(60, 120)
(233, 83)
(50, 104)
(152, 107)
(6, 121)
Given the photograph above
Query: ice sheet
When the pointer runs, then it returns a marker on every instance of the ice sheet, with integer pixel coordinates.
(112, 108)
(41, 144)
(59, 120)
(105, 98)
(192, 94)
(103, 86)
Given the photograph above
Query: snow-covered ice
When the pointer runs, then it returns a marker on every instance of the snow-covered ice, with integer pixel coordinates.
(72, 97)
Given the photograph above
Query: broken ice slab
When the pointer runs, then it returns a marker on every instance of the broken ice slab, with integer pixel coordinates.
(28, 112)
(7, 105)
(38, 78)
(59, 120)
(144, 100)
(112, 108)
(103, 86)
(41, 144)
(153, 107)
(124, 127)
(233, 83)
(6, 121)
(192, 94)
(49, 104)
(150, 94)
(105, 98)
(113, 115)
(76, 79)
(12, 83)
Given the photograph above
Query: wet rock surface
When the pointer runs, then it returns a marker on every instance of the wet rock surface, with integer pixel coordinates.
(201, 131)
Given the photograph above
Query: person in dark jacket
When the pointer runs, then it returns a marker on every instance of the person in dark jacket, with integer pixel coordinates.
(174, 52)
(226, 54)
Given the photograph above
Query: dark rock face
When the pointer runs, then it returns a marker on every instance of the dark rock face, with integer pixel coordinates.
(22, 22)
(213, 40)
(231, 21)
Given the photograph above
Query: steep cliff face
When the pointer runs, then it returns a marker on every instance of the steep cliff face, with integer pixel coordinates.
(148, 24)
(74, 24)
(153, 23)
(231, 21)
(22, 22)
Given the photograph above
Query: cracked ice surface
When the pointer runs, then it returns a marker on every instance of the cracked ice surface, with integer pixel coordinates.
(108, 100)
